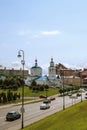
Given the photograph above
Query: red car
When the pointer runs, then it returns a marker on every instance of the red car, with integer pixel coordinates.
(52, 98)
(42, 96)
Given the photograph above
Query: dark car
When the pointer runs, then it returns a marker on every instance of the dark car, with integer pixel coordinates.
(85, 96)
(13, 115)
(78, 94)
(46, 100)
(85, 89)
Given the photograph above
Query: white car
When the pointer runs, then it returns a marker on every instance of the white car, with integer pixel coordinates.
(44, 106)
(70, 94)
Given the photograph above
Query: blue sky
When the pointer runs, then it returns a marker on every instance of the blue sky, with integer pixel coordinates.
(43, 29)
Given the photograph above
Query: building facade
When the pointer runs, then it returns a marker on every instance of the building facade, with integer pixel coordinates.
(52, 80)
(11, 72)
(36, 71)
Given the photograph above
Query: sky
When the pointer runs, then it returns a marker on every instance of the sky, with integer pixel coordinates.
(43, 29)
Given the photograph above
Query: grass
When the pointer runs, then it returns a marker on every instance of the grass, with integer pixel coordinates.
(72, 118)
(28, 92)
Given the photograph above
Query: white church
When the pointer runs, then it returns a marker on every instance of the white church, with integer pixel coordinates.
(52, 80)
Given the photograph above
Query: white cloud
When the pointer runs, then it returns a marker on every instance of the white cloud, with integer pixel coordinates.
(46, 33)
(55, 32)
(38, 34)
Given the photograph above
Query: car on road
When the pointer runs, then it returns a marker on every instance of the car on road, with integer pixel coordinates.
(46, 100)
(85, 96)
(78, 94)
(69, 94)
(52, 98)
(85, 93)
(44, 106)
(42, 96)
(13, 115)
(85, 89)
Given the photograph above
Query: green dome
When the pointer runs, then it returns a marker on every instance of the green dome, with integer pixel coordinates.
(35, 67)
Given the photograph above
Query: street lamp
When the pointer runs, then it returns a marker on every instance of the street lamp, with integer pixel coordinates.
(81, 85)
(21, 54)
(73, 82)
(63, 93)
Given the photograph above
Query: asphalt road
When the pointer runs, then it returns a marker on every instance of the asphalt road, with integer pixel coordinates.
(33, 113)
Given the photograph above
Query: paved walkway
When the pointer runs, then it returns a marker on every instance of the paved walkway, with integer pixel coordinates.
(31, 100)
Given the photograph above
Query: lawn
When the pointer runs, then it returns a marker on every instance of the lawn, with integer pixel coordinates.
(28, 92)
(72, 118)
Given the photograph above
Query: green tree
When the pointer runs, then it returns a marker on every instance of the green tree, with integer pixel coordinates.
(33, 83)
(46, 89)
(1, 83)
(61, 90)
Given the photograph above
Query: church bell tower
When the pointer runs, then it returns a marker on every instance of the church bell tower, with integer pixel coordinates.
(52, 70)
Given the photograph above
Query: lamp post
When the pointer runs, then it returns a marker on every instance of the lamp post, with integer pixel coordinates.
(63, 93)
(81, 85)
(46, 89)
(73, 82)
(21, 54)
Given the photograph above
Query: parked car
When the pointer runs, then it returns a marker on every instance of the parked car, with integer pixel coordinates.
(13, 115)
(44, 106)
(46, 100)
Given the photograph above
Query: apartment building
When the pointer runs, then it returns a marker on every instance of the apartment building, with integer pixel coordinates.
(13, 71)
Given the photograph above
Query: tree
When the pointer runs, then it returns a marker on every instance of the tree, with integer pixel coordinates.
(33, 83)
(61, 90)
(46, 89)
(9, 95)
(1, 83)
(4, 98)
(6, 83)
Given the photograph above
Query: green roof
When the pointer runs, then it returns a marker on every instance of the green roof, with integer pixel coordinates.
(35, 67)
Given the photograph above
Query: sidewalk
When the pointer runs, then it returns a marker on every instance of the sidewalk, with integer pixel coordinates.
(32, 100)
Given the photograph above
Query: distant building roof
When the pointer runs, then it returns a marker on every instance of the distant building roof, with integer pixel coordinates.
(36, 65)
(42, 78)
